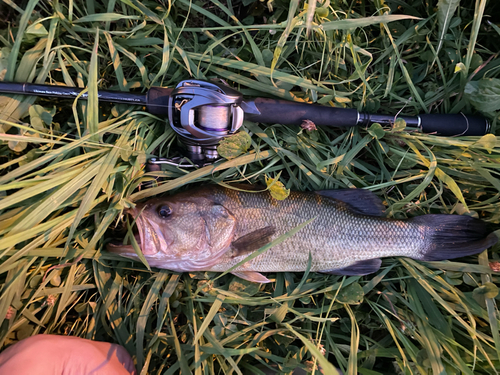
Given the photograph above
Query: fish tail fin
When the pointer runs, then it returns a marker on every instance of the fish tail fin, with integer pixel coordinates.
(455, 236)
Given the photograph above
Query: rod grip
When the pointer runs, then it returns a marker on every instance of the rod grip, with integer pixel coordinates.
(293, 113)
(454, 124)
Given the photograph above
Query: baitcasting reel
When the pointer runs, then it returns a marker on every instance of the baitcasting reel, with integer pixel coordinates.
(203, 113)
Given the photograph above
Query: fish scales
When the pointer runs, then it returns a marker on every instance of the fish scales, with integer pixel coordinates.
(215, 228)
(336, 238)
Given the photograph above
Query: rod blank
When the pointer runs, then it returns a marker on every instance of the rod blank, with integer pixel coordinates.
(70, 92)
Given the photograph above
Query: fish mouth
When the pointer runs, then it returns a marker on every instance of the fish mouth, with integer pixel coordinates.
(118, 247)
(142, 232)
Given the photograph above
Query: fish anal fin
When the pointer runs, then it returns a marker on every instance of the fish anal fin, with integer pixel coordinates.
(253, 276)
(360, 268)
(252, 241)
(361, 201)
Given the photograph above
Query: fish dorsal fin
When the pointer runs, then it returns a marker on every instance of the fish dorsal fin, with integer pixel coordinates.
(252, 241)
(363, 267)
(360, 201)
(257, 188)
(253, 276)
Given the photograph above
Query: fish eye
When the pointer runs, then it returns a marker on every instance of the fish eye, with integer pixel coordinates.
(164, 211)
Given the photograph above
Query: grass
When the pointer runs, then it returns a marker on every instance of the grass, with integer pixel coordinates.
(70, 168)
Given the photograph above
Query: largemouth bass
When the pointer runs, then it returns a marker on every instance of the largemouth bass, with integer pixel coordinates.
(214, 228)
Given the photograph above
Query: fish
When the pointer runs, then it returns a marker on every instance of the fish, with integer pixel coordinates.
(213, 228)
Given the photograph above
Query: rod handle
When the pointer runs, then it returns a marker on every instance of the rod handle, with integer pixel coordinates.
(275, 111)
(454, 124)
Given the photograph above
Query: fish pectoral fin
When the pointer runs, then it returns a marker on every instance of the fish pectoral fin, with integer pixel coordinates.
(363, 267)
(253, 276)
(252, 241)
(361, 201)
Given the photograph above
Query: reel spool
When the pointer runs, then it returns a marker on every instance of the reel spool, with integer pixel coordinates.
(203, 113)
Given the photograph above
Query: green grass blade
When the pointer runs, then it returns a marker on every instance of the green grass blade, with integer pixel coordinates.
(325, 365)
(100, 178)
(446, 10)
(144, 314)
(11, 69)
(93, 101)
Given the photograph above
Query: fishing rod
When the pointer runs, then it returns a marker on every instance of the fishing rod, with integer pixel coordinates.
(203, 113)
